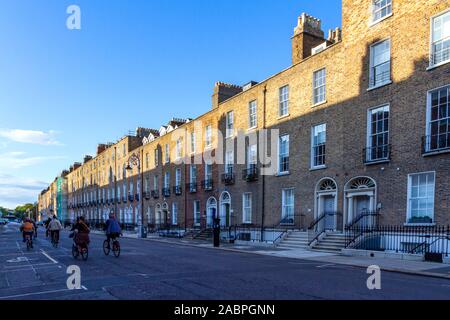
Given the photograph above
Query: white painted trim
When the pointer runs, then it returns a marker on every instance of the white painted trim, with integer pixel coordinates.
(408, 198)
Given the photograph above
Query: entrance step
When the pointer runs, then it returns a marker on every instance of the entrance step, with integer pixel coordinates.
(295, 240)
(332, 242)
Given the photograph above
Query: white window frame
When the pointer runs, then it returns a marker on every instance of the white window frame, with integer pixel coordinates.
(178, 177)
(197, 213)
(193, 142)
(174, 214)
(208, 172)
(409, 196)
(192, 170)
(229, 162)
(155, 183)
(247, 208)
(374, 11)
(284, 205)
(229, 131)
(156, 156)
(283, 108)
(252, 115)
(167, 180)
(319, 98)
(167, 153)
(287, 154)
(369, 132)
(372, 78)
(428, 131)
(208, 136)
(179, 149)
(252, 158)
(313, 146)
(432, 42)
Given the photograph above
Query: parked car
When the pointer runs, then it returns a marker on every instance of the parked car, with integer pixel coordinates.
(3, 222)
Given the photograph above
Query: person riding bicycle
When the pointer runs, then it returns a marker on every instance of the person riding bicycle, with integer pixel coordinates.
(35, 228)
(112, 228)
(81, 236)
(55, 227)
(46, 223)
(27, 229)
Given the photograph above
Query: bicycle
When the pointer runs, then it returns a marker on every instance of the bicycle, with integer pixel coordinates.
(115, 247)
(29, 241)
(80, 249)
(55, 241)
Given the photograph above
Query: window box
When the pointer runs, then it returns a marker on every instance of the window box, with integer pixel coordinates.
(420, 220)
(228, 179)
(177, 190)
(207, 185)
(250, 174)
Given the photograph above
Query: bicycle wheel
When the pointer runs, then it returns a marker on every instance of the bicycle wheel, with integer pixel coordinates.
(75, 252)
(85, 253)
(28, 244)
(106, 247)
(116, 249)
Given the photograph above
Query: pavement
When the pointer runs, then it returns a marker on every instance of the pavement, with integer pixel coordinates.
(161, 269)
(428, 269)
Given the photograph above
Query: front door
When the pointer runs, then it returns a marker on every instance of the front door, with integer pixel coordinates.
(361, 205)
(226, 215)
(329, 210)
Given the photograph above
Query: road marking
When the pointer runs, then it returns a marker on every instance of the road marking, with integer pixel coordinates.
(48, 256)
(84, 288)
(18, 260)
(33, 294)
(326, 265)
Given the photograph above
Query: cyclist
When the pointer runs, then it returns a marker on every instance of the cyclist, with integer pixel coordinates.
(81, 237)
(27, 229)
(112, 228)
(55, 226)
(46, 223)
(35, 228)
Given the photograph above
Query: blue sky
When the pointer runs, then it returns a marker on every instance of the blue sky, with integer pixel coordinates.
(133, 63)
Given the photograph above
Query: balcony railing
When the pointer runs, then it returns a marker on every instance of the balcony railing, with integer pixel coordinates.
(436, 143)
(380, 75)
(166, 192)
(228, 178)
(137, 197)
(208, 185)
(155, 194)
(177, 190)
(376, 154)
(250, 174)
(125, 199)
(130, 197)
(147, 195)
(192, 187)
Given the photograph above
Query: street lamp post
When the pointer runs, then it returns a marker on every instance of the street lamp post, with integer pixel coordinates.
(135, 160)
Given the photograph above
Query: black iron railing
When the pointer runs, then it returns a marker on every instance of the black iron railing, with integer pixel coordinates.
(400, 239)
(192, 187)
(166, 192)
(250, 174)
(207, 185)
(155, 194)
(377, 153)
(436, 143)
(380, 74)
(131, 197)
(228, 178)
(178, 190)
(327, 221)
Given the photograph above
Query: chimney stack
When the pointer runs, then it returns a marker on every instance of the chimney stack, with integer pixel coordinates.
(224, 91)
(307, 35)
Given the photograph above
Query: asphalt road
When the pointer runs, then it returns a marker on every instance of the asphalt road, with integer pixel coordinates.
(149, 270)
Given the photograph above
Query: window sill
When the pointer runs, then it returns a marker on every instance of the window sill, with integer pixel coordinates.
(283, 117)
(318, 168)
(374, 23)
(419, 224)
(440, 64)
(435, 153)
(252, 129)
(380, 85)
(319, 104)
(374, 162)
(282, 174)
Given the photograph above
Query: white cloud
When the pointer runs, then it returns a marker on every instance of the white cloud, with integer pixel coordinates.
(16, 191)
(18, 160)
(30, 136)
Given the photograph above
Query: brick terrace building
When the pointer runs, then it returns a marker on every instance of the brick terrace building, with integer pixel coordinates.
(364, 126)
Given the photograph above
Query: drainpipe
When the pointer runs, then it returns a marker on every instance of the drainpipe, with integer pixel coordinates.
(263, 195)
